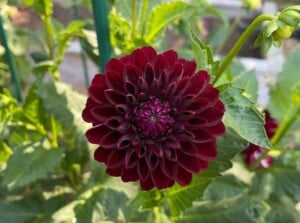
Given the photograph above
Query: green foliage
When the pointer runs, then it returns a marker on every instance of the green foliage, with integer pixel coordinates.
(243, 117)
(26, 165)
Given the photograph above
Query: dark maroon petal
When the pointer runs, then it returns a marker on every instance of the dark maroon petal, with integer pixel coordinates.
(183, 177)
(175, 73)
(114, 80)
(131, 159)
(124, 142)
(95, 134)
(128, 175)
(197, 83)
(143, 170)
(151, 160)
(201, 136)
(206, 151)
(189, 163)
(101, 155)
(147, 184)
(140, 58)
(108, 140)
(212, 115)
(130, 87)
(96, 93)
(114, 171)
(170, 168)
(189, 68)
(160, 180)
(115, 65)
(132, 73)
(102, 112)
(217, 130)
(115, 97)
(171, 57)
(115, 159)
(149, 74)
(149, 52)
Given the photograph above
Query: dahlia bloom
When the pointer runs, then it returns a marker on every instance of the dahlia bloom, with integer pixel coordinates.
(154, 118)
(253, 152)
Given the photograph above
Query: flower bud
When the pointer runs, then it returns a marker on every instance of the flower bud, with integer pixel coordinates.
(253, 4)
(284, 31)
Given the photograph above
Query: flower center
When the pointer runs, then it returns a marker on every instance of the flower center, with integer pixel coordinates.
(153, 118)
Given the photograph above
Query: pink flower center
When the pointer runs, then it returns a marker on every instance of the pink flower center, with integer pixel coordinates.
(153, 118)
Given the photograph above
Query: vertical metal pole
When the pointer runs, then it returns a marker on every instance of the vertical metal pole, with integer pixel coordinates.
(9, 59)
(100, 11)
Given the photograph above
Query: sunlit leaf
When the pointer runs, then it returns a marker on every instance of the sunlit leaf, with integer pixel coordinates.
(28, 165)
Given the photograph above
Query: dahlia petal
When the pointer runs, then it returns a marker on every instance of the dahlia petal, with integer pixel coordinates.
(98, 79)
(114, 97)
(147, 184)
(102, 112)
(189, 68)
(143, 85)
(114, 122)
(87, 115)
(115, 65)
(115, 159)
(212, 115)
(140, 151)
(94, 135)
(172, 142)
(131, 99)
(182, 85)
(108, 140)
(170, 154)
(96, 92)
(101, 155)
(210, 92)
(149, 74)
(140, 58)
(124, 142)
(183, 177)
(189, 163)
(131, 159)
(143, 170)
(171, 89)
(217, 130)
(171, 57)
(160, 180)
(132, 73)
(151, 160)
(122, 109)
(206, 151)
(176, 73)
(114, 80)
(149, 52)
(201, 136)
(169, 168)
(197, 84)
(196, 123)
(130, 87)
(159, 65)
(128, 175)
(116, 172)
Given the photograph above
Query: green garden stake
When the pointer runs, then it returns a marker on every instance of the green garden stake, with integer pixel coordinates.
(9, 59)
(100, 11)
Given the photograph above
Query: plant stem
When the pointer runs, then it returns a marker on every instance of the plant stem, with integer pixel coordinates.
(144, 16)
(157, 215)
(54, 143)
(240, 42)
(47, 27)
(9, 59)
(290, 117)
(100, 11)
(133, 17)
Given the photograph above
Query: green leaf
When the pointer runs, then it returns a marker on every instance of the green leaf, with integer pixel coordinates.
(243, 117)
(5, 152)
(28, 165)
(247, 81)
(43, 7)
(64, 103)
(243, 208)
(14, 212)
(180, 198)
(203, 54)
(228, 146)
(224, 187)
(280, 94)
(165, 13)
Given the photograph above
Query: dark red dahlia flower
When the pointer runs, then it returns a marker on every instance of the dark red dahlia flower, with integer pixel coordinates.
(154, 118)
(253, 152)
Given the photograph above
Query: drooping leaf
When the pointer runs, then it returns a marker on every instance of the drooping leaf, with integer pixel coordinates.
(165, 13)
(247, 81)
(243, 208)
(28, 165)
(243, 117)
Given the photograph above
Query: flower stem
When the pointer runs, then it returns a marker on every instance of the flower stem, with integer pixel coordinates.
(290, 117)
(133, 17)
(240, 42)
(144, 16)
(54, 143)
